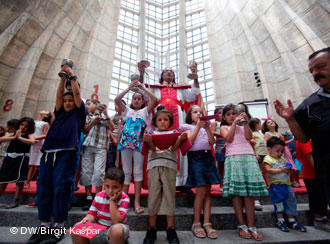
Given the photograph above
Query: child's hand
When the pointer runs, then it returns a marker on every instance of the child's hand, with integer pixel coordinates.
(183, 136)
(147, 138)
(67, 69)
(115, 196)
(18, 133)
(97, 120)
(84, 220)
(284, 170)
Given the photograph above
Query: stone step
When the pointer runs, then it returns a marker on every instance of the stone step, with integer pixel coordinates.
(222, 217)
(182, 200)
(271, 236)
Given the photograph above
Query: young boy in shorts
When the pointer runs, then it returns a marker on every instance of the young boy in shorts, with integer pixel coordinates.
(280, 190)
(109, 208)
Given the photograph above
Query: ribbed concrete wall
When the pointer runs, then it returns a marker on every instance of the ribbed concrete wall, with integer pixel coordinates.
(273, 38)
(36, 35)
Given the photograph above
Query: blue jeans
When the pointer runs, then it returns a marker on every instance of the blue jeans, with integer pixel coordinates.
(56, 185)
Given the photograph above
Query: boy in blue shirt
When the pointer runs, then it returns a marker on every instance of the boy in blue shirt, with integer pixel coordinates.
(58, 164)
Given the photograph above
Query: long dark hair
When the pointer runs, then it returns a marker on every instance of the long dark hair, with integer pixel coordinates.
(264, 127)
(31, 124)
(143, 104)
(189, 117)
(228, 107)
(253, 123)
(48, 118)
(162, 110)
(161, 80)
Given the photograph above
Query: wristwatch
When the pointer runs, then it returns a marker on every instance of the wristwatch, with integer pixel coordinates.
(74, 77)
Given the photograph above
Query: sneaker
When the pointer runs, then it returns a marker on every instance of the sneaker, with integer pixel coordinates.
(172, 237)
(87, 205)
(296, 226)
(151, 236)
(55, 236)
(33, 204)
(40, 235)
(282, 226)
(322, 225)
(257, 205)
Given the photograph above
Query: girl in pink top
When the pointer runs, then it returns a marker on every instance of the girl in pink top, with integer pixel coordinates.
(202, 171)
(242, 174)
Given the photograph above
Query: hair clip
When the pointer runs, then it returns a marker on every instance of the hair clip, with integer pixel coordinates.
(269, 117)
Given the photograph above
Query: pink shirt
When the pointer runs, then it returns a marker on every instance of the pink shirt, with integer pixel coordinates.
(239, 145)
(100, 208)
(201, 141)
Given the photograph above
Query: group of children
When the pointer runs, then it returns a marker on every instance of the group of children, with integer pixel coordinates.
(236, 146)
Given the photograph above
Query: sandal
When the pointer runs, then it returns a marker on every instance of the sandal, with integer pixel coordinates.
(139, 210)
(244, 229)
(210, 232)
(257, 236)
(198, 232)
(14, 204)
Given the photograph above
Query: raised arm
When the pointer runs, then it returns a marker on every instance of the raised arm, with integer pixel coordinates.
(44, 132)
(206, 126)
(59, 95)
(153, 99)
(74, 85)
(228, 134)
(120, 96)
(287, 113)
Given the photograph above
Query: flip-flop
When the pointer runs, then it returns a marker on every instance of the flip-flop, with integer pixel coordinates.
(139, 210)
(210, 231)
(244, 228)
(256, 235)
(198, 232)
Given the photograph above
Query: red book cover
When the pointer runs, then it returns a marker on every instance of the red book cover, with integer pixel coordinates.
(185, 146)
(209, 117)
(87, 230)
(164, 141)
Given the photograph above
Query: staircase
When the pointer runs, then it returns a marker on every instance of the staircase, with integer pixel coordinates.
(223, 219)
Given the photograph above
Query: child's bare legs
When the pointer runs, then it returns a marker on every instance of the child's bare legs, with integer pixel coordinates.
(249, 208)
(32, 171)
(237, 204)
(19, 188)
(170, 221)
(125, 189)
(116, 234)
(3, 188)
(88, 190)
(207, 205)
(79, 239)
(137, 194)
(207, 213)
(152, 221)
(201, 192)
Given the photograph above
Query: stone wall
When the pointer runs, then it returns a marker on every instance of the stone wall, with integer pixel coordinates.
(36, 35)
(273, 38)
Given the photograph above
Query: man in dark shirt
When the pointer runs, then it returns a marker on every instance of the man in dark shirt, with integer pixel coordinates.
(311, 119)
(58, 163)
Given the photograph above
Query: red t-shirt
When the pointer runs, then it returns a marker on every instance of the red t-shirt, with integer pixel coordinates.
(302, 149)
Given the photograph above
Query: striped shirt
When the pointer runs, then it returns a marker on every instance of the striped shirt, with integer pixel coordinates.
(98, 135)
(100, 208)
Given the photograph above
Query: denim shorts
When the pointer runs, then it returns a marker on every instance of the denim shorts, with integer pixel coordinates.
(283, 199)
(202, 169)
